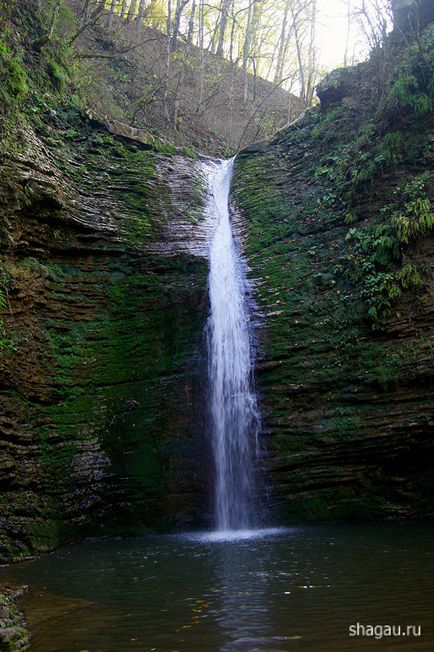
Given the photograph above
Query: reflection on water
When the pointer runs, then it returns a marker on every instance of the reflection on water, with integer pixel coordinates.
(242, 613)
(297, 589)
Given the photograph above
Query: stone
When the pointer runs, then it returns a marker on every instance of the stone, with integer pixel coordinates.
(347, 404)
(411, 16)
(336, 86)
(105, 260)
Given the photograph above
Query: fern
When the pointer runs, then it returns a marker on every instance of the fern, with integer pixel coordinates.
(409, 277)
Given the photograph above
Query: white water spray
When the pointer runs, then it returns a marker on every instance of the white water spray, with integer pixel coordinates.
(234, 409)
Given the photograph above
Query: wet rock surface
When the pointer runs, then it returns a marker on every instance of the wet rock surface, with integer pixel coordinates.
(13, 633)
(106, 299)
(347, 395)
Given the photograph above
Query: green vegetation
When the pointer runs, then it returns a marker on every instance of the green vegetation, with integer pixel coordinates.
(377, 259)
(338, 219)
(100, 386)
(57, 74)
(13, 76)
(13, 633)
(6, 345)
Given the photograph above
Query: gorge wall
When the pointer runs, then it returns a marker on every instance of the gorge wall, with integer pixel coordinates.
(103, 296)
(104, 306)
(338, 230)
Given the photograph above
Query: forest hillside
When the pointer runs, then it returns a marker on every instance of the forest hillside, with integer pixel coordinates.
(116, 71)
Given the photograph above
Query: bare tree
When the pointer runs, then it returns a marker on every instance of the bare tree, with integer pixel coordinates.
(132, 10)
(246, 50)
(374, 17)
(224, 14)
(48, 35)
(191, 22)
(201, 50)
(111, 14)
(168, 55)
(282, 41)
(180, 6)
(142, 9)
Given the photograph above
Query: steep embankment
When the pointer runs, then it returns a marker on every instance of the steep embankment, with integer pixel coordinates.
(339, 235)
(131, 87)
(103, 296)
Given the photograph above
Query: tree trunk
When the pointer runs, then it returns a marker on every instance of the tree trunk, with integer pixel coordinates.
(142, 9)
(224, 13)
(111, 15)
(86, 10)
(168, 58)
(191, 22)
(132, 11)
(54, 20)
(299, 54)
(180, 4)
(347, 37)
(201, 49)
(47, 36)
(246, 52)
(311, 66)
(177, 99)
(282, 40)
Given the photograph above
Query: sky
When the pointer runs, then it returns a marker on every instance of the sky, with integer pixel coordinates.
(332, 34)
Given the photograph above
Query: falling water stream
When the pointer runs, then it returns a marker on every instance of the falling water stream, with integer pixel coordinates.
(233, 404)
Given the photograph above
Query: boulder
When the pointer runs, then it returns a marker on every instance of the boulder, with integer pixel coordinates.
(337, 85)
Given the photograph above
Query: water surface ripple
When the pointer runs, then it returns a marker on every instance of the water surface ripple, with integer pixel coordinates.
(298, 589)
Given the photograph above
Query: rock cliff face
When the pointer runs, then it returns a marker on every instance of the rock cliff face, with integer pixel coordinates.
(103, 296)
(103, 274)
(338, 232)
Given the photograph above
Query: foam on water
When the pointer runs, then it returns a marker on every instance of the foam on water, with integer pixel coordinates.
(228, 536)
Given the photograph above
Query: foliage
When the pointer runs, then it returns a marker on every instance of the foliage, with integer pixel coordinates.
(377, 262)
(6, 345)
(417, 216)
(367, 146)
(391, 148)
(412, 87)
(13, 77)
(57, 74)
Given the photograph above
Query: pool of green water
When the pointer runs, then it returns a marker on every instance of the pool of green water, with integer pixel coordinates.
(294, 589)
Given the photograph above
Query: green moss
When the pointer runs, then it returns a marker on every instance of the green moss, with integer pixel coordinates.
(57, 74)
(13, 76)
(100, 399)
(411, 86)
(189, 152)
(330, 505)
(13, 633)
(333, 260)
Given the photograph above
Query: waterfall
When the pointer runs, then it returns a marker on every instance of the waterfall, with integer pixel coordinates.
(234, 411)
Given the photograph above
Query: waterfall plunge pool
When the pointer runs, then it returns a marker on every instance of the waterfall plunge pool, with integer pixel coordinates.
(294, 589)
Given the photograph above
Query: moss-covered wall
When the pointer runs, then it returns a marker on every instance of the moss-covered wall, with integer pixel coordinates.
(102, 320)
(338, 231)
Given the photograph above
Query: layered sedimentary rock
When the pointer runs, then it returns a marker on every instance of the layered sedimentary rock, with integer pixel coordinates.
(103, 275)
(337, 225)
